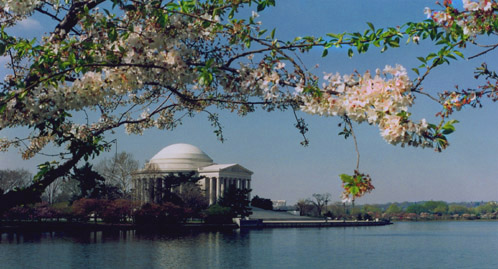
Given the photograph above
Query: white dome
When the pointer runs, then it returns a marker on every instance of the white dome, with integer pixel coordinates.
(180, 157)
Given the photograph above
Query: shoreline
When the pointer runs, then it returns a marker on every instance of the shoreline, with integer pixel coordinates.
(16, 227)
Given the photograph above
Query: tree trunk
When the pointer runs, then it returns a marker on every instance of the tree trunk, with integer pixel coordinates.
(32, 193)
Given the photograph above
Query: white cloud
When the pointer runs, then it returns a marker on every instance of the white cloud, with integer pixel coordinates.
(29, 24)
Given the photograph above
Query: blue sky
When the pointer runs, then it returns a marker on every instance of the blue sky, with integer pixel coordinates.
(268, 143)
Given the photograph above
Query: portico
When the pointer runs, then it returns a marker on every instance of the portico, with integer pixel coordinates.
(220, 177)
(184, 158)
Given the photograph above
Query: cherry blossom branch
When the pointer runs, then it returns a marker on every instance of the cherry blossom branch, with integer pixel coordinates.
(348, 122)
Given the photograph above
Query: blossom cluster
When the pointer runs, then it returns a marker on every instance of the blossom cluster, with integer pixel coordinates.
(381, 100)
(456, 100)
(142, 75)
(24, 7)
(477, 16)
(355, 186)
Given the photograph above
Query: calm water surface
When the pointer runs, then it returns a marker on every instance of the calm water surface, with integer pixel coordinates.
(402, 245)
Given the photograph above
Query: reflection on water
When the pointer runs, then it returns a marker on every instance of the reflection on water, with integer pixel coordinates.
(403, 245)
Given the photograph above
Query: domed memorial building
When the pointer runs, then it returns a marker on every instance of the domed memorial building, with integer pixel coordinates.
(149, 182)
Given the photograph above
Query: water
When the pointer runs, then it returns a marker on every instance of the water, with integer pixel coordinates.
(402, 245)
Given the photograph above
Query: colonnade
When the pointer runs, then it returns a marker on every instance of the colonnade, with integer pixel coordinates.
(215, 187)
(150, 190)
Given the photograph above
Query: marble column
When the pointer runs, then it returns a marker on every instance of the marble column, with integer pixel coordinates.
(211, 192)
(206, 187)
(223, 189)
(218, 188)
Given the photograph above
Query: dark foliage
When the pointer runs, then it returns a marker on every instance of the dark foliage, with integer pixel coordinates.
(217, 214)
(92, 185)
(172, 182)
(262, 203)
(159, 214)
(237, 200)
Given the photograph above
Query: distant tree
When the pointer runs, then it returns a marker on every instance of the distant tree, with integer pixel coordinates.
(320, 201)
(489, 207)
(117, 171)
(262, 203)
(305, 207)
(70, 190)
(430, 207)
(458, 209)
(337, 210)
(393, 209)
(441, 210)
(371, 209)
(53, 190)
(415, 208)
(237, 200)
(11, 179)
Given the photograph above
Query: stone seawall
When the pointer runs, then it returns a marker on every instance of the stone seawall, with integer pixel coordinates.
(308, 223)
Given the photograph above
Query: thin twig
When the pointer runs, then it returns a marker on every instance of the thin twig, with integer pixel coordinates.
(483, 52)
(348, 121)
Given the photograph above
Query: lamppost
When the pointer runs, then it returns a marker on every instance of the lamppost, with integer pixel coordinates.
(326, 201)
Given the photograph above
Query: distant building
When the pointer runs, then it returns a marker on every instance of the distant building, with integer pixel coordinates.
(277, 204)
(148, 183)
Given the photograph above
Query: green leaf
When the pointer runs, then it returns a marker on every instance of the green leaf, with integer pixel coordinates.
(346, 178)
(261, 6)
(422, 59)
(448, 127)
(350, 53)
(430, 56)
(371, 26)
(325, 52)
(354, 190)
(459, 53)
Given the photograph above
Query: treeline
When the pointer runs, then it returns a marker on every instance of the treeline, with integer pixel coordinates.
(426, 210)
(87, 196)
(234, 203)
(442, 210)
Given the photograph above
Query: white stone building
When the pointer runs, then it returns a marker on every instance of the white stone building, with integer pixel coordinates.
(148, 183)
